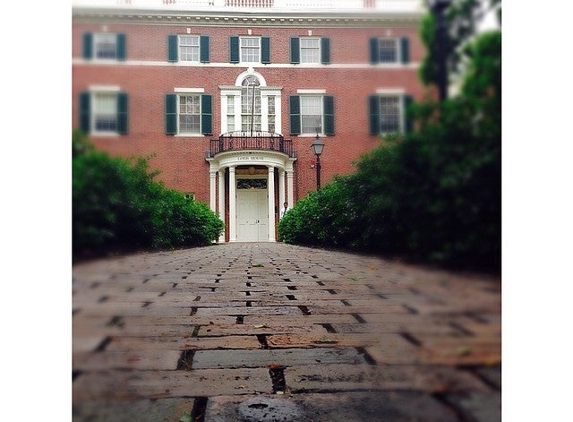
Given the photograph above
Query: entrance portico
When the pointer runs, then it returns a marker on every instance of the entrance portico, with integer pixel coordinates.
(252, 197)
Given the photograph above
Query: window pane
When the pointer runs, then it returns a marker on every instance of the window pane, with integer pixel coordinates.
(105, 46)
(189, 47)
(389, 114)
(105, 112)
(250, 49)
(311, 113)
(388, 51)
(246, 122)
(309, 50)
(189, 114)
(230, 104)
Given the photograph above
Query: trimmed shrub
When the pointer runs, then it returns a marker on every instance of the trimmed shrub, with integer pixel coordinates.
(118, 207)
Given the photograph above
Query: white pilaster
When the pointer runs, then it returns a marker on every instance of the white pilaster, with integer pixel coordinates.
(271, 192)
(212, 189)
(222, 201)
(232, 205)
(281, 187)
(290, 188)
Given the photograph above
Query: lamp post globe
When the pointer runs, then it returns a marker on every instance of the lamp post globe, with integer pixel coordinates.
(317, 147)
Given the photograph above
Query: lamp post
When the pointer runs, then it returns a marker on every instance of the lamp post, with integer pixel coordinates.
(317, 147)
(438, 7)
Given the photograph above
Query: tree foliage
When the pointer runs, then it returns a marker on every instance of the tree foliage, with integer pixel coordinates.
(117, 206)
(434, 194)
(462, 18)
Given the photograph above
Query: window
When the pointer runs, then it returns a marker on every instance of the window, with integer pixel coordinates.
(389, 50)
(249, 49)
(271, 113)
(188, 48)
(103, 112)
(237, 103)
(230, 113)
(251, 92)
(309, 112)
(388, 113)
(188, 114)
(310, 50)
(104, 46)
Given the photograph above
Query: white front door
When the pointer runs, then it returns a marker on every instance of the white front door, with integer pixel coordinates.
(252, 215)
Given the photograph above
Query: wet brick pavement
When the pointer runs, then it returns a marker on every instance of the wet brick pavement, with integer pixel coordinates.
(275, 332)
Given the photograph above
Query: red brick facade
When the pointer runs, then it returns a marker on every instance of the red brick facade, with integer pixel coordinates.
(147, 76)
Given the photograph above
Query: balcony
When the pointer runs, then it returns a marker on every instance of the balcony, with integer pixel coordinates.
(258, 141)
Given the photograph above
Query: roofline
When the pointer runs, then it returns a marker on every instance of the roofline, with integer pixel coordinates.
(242, 18)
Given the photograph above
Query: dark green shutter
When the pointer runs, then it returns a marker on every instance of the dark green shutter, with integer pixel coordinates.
(374, 51)
(172, 48)
(328, 107)
(265, 50)
(325, 50)
(204, 49)
(120, 47)
(88, 45)
(405, 49)
(407, 101)
(294, 111)
(206, 114)
(374, 109)
(234, 49)
(170, 114)
(85, 112)
(122, 113)
(295, 50)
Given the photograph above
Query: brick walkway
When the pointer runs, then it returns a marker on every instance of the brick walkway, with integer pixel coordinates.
(269, 332)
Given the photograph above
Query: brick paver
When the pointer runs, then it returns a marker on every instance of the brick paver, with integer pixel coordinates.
(203, 333)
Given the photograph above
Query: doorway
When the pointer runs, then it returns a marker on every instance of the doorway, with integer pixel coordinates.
(252, 215)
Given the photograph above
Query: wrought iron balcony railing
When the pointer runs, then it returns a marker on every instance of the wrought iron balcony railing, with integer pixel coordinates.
(258, 141)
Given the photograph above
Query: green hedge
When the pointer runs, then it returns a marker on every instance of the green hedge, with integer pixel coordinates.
(434, 194)
(117, 206)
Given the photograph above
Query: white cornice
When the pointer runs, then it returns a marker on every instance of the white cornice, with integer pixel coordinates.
(281, 19)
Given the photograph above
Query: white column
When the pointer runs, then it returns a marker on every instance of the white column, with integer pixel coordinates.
(232, 206)
(290, 188)
(271, 193)
(222, 201)
(281, 188)
(212, 189)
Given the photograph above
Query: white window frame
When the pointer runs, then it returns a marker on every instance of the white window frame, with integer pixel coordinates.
(186, 92)
(397, 47)
(399, 95)
(96, 94)
(98, 39)
(318, 49)
(180, 46)
(246, 93)
(233, 94)
(306, 93)
(319, 99)
(241, 48)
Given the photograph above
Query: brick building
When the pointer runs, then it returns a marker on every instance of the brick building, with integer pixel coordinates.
(228, 96)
